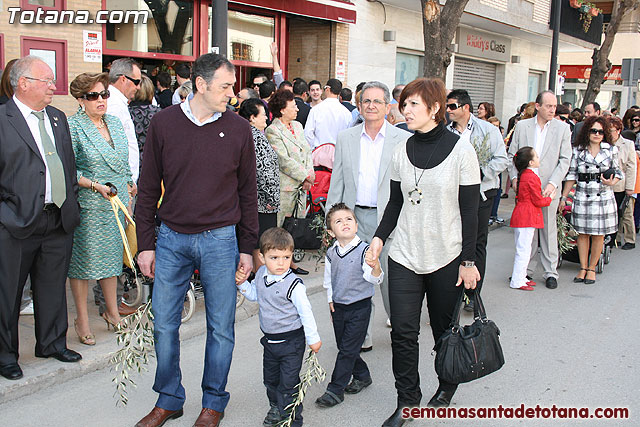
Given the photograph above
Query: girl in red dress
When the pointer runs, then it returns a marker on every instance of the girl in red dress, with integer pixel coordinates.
(527, 215)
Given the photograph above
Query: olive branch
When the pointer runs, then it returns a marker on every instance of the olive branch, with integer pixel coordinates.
(135, 339)
(483, 150)
(314, 372)
(566, 234)
(319, 225)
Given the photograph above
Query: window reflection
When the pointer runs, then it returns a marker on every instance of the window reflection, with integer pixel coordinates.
(169, 27)
(250, 37)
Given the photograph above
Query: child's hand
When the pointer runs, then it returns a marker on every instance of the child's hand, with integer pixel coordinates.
(370, 259)
(240, 275)
(553, 193)
(316, 346)
(331, 307)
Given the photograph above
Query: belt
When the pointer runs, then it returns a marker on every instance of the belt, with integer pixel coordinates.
(50, 207)
(366, 207)
(588, 177)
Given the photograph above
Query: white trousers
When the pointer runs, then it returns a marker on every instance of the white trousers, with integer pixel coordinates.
(524, 238)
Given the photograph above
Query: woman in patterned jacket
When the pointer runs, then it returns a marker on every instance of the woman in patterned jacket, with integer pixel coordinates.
(595, 168)
(102, 156)
(267, 171)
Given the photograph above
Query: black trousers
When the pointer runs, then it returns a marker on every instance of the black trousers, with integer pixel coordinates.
(407, 290)
(45, 256)
(484, 212)
(281, 364)
(350, 328)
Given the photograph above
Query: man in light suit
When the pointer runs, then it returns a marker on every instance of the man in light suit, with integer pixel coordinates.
(552, 141)
(361, 170)
(38, 212)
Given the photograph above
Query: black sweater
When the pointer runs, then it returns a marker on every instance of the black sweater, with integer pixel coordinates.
(435, 146)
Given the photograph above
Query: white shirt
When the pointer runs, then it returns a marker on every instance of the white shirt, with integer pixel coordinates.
(33, 123)
(370, 155)
(118, 106)
(466, 133)
(325, 121)
(186, 109)
(367, 271)
(298, 298)
(541, 136)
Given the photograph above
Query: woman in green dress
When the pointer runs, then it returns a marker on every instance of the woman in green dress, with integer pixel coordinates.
(101, 151)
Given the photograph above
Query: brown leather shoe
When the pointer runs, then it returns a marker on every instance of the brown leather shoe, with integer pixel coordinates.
(125, 310)
(209, 418)
(158, 416)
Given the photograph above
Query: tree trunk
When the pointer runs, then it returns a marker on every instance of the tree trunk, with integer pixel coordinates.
(600, 59)
(439, 27)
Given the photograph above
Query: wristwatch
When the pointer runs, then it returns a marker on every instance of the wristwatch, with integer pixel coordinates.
(468, 264)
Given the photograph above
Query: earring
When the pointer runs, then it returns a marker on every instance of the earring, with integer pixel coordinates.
(433, 117)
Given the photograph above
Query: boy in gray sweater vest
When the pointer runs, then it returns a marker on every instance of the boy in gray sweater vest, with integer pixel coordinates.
(285, 319)
(350, 276)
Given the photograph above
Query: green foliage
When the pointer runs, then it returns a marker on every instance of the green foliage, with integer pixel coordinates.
(136, 342)
(320, 226)
(566, 235)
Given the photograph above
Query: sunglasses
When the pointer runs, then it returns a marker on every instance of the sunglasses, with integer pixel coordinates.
(594, 131)
(454, 106)
(635, 120)
(132, 80)
(93, 96)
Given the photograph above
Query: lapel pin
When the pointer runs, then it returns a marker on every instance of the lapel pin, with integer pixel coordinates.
(55, 124)
(55, 118)
(221, 134)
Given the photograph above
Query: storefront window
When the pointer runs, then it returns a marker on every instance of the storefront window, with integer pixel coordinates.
(408, 67)
(48, 3)
(250, 37)
(169, 27)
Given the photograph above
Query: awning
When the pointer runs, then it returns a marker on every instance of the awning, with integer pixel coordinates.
(332, 10)
(584, 71)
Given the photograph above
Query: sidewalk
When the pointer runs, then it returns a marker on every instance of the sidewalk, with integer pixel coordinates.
(42, 373)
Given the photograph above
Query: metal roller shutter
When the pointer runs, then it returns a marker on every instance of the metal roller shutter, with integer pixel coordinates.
(476, 77)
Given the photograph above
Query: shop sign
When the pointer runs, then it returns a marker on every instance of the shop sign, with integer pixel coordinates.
(92, 41)
(584, 71)
(483, 45)
(341, 70)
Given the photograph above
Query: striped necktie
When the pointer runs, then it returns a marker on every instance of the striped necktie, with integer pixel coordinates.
(56, 171)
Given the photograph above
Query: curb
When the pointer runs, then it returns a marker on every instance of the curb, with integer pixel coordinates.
(43, 373)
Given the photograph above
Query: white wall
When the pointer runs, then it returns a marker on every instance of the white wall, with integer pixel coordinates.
(371, 58)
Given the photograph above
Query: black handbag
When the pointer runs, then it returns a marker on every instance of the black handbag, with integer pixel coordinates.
(304, 236)
(469, 352)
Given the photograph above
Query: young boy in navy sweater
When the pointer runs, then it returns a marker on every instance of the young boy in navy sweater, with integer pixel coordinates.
(350, 276)
(286, 320)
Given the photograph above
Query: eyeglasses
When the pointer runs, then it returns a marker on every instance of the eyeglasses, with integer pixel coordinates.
(635, 120)
(454, 106)
(47, 81)
(594, 131)
(132, 80)
(93, 96)
(376, 102)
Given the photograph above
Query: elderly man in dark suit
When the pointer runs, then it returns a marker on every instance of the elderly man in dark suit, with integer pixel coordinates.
(38, 213)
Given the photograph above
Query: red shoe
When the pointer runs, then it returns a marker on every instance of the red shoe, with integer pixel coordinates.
(531, 283)
(524, 288)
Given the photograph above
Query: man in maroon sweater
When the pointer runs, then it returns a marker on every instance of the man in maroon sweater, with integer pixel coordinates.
(205, 156)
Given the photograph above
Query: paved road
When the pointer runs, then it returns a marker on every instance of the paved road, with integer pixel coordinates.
(574, 346)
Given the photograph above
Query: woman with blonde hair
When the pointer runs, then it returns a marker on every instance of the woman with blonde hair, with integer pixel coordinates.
(142, 111)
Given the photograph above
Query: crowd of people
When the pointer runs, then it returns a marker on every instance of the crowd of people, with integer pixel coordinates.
(415, 185)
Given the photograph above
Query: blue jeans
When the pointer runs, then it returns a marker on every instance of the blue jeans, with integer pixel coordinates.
(215, 254)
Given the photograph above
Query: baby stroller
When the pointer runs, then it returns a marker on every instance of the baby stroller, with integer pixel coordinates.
(572, 254)
(322, 157)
